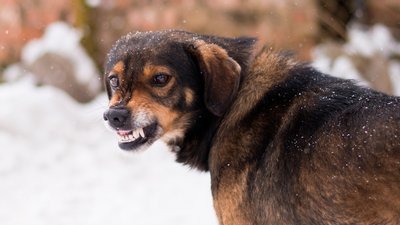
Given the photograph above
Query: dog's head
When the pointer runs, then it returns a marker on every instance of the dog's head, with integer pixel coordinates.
(160, 84)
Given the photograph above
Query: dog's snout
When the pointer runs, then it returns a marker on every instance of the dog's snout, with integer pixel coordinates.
(116, 116)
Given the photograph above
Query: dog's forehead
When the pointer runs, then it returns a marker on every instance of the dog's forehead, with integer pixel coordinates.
(139, 48)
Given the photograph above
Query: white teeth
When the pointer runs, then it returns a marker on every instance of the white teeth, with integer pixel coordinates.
(141, 132)
(131, 137)
(135, 134)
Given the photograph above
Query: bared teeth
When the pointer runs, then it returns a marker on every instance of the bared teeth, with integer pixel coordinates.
(135, 134)
(129, 136)
(141, 132)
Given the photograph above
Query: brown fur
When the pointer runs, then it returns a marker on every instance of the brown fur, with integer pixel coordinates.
(118, 68)
(214, 61)
(284, 143)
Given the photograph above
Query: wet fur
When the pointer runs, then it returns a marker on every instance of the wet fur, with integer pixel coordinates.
(289, 145)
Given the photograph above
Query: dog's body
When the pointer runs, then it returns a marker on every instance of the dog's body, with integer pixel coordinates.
(284, 144)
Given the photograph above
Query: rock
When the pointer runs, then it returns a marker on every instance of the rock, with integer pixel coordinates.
(58, 71)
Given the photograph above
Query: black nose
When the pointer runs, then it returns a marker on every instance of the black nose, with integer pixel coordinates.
(116, 116)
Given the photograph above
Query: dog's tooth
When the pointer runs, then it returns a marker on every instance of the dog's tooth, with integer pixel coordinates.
(141, 132)
(131, 137)
(135, 133)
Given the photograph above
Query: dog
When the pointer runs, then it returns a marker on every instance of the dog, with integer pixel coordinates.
(283, 142)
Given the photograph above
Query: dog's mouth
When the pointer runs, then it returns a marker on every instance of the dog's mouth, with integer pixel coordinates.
(133, 139)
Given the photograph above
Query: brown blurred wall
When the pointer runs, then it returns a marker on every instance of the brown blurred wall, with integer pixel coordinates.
(281, 23)
(23, 20)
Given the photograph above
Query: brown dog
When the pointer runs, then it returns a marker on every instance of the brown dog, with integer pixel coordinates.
(284, 143)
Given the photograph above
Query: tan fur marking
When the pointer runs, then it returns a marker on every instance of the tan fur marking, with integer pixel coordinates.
(166, 117)
(189, 96)
(141, 101)
(150, 70)
(229, 196)
(118, 68)
(115, 99)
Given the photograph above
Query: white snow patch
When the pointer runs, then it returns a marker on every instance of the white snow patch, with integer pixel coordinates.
(369, 41)
(64, 40)
(341, 67)
(59, 165)
(14, 72)
(93, 3)
(364, 41)
(394, 72)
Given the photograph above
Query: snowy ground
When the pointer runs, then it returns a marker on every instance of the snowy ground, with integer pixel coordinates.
(60, 166)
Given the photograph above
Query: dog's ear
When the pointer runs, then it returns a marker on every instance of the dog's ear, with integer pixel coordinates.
(221, 75)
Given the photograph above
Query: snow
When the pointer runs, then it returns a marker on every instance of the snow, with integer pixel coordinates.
(64, 40)
(93, 3)
(369, 41)
(60, 165)
(341, 67)
(366, 42)
(394, 72)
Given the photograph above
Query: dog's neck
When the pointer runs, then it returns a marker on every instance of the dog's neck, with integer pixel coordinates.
(258, 81)
(255, 83)
(195, 148)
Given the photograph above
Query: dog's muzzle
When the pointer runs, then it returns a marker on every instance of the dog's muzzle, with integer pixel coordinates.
(130, 135)
(117, 117)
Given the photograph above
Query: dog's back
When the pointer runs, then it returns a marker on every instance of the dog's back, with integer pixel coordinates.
(309, 149)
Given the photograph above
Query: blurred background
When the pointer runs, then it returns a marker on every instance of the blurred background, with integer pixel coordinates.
(59, 165)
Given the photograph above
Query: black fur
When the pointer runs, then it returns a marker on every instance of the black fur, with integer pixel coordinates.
(301, 147)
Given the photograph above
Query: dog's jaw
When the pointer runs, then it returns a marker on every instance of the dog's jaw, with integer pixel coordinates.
(134, 139)
(161, 143)
(168, 141)
(159, 140)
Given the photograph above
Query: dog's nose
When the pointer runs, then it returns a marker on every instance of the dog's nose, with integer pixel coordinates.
(116, 116)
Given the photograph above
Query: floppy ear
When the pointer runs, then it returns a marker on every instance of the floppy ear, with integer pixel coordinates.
(221, 75)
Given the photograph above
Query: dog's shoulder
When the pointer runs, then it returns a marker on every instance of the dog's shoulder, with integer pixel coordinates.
(266, 70)
(290, 120)
(294, 104)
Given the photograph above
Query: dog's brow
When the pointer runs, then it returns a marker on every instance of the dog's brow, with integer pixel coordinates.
(111, 74)
(118, 67)
(151, 69)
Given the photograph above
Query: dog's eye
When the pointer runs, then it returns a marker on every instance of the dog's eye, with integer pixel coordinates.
(161, 79)
(114, 82)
